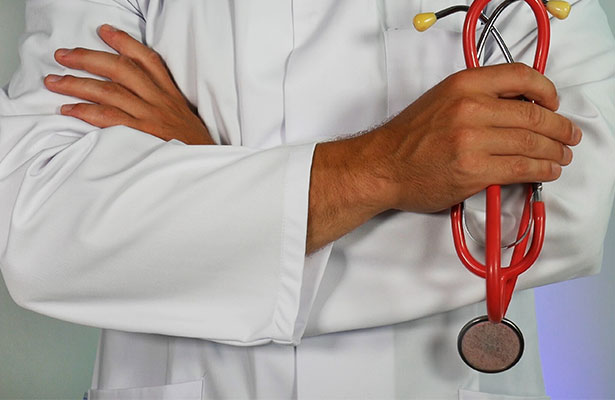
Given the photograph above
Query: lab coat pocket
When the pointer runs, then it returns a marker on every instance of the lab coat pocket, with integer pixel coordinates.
(470, 395)
(417, 61)
(192, 390)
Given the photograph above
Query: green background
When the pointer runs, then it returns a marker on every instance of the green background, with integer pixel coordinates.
(43, 358)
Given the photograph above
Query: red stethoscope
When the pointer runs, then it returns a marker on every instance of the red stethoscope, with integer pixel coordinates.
(493, 343)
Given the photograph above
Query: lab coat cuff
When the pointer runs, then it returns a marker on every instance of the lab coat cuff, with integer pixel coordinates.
(299, 275)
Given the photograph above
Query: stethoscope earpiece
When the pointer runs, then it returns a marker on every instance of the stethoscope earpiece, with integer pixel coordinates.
(559, 9)
(424, 21)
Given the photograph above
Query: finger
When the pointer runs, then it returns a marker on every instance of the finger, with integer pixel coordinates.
(146, 58)
(521, 142)
(99, 115)
(508, 170)
(97, 91)
(529, 116)
(119, 69)
(514, 80)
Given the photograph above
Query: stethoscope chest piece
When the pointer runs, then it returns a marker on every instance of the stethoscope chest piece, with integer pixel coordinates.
(490, 347)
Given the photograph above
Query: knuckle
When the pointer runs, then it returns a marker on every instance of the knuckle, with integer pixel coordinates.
(108, 114)
(125, 62)
(79, 109)
(110, 89)
(68, 80)
(79, 52)
(122, 59)
(466, 106)
(458, 80)
(520, 167)
(535, 115)
(529, 142)
(464, 138)
(521, 71)
(153, 58)
(465, 166)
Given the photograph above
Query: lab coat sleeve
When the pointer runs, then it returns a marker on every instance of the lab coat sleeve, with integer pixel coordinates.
(118, 229)
(582, 66)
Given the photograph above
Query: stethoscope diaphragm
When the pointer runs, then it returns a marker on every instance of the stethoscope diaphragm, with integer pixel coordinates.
(490, 347)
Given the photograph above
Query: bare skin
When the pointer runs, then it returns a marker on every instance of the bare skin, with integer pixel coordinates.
(141, 93)
(463, 135)
(458, 138)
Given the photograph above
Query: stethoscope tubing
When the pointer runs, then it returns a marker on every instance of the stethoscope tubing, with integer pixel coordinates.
(500, 282)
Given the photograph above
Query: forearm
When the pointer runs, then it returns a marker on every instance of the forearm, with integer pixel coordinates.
(345, 189)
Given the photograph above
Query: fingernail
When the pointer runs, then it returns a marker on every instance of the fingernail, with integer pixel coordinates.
(556, 169)
(67, 107)
(577, 135)
(567, 154)
(53, 78)
(108, 28)
(62, 52)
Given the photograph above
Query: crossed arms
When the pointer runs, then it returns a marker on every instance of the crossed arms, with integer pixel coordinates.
(467, 133)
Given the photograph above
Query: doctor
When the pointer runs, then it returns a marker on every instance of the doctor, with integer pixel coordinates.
(192, 255)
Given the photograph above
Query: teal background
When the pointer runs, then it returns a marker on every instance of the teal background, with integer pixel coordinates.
(43, 358)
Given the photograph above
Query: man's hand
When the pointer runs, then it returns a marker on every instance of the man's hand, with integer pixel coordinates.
(465, 134)
(471, 131)
(140, 92)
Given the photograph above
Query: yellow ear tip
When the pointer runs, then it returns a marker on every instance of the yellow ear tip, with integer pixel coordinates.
(559, 9)
(424, 21)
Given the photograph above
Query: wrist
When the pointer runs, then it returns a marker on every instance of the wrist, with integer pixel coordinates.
(363, 165)
(346, 189)
(375, 151)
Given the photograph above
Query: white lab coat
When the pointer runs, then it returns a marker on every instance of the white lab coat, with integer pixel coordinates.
(192, 257)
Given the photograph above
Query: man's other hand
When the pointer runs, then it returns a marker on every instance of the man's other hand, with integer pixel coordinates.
(468, 132)
(139, 93)
(471, 131)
